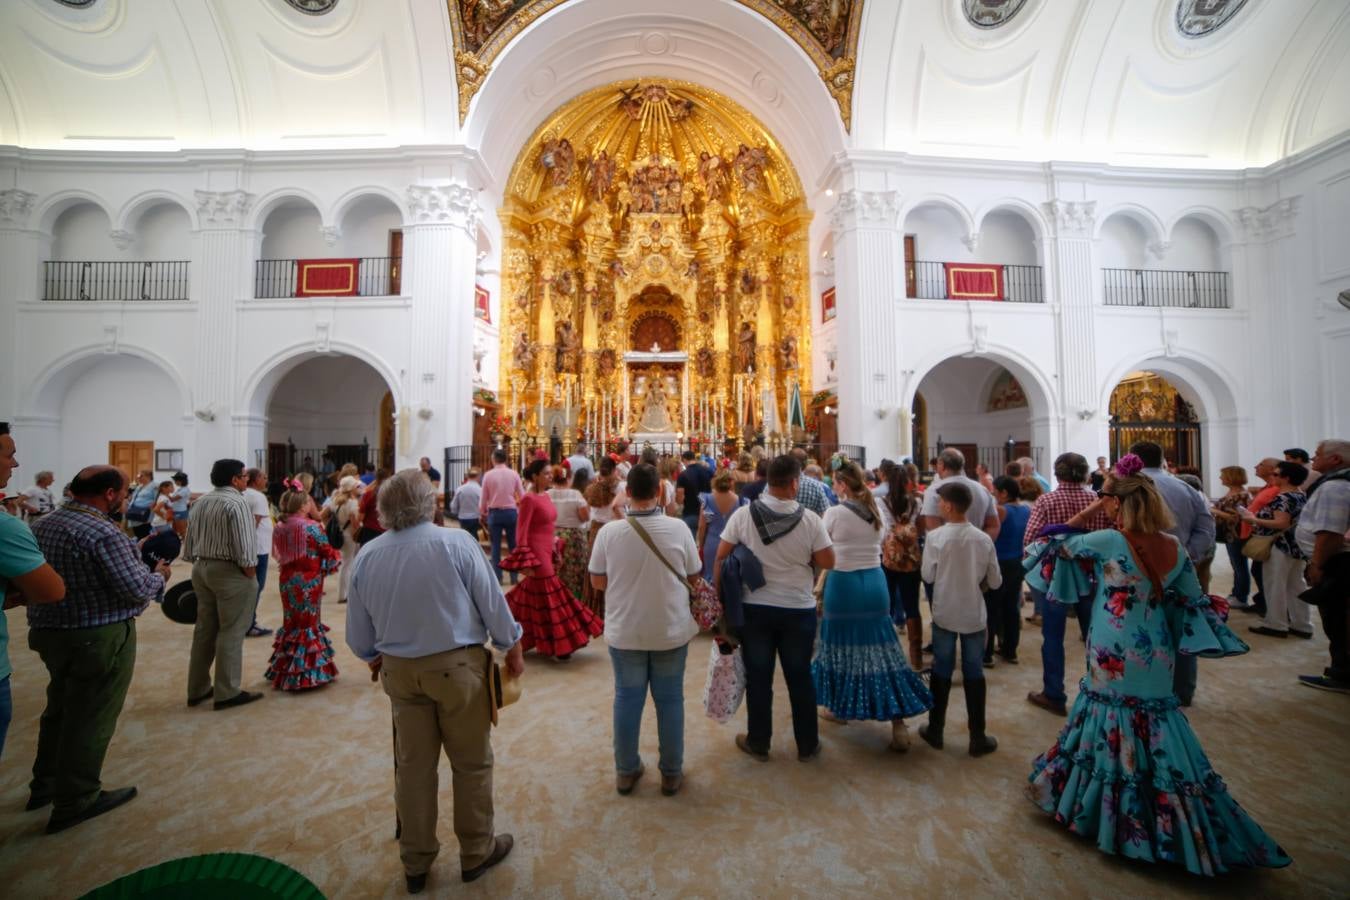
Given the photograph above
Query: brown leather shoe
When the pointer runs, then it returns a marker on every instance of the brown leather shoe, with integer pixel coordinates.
(671, 784)
(743, 742)
(626, 783)
(1039, 699)
(504, 843)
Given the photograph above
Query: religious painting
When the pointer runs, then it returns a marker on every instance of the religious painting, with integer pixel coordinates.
(827, 305)
(1197, 18)
(1006, 393)
(991, 13)
(482, 303)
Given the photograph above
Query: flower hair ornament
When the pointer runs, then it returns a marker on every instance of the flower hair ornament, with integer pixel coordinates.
(838, 461)
(1128, 466)
(295, 485)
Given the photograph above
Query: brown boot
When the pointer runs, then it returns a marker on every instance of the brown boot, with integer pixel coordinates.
(900, 740)
(914, 629)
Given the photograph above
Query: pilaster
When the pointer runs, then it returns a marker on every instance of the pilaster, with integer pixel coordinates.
(1073, 271)
(19, 261)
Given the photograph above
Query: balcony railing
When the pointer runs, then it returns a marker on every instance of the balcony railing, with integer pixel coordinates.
(104, 280)
(376, 276)
(1165, 287)
(1021, 284)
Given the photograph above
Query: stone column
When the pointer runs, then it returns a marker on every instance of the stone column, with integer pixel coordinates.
(440, 255)
(20, 256)
(1069, 259)
(869, 279)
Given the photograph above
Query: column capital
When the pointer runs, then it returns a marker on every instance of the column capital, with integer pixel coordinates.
(1270, 223)
(1072, 218)
(15, 205)
(445, 204)
(865, 209)
(223, 209)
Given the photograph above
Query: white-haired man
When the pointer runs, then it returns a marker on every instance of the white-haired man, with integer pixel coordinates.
(1321, 535)
(421, 604)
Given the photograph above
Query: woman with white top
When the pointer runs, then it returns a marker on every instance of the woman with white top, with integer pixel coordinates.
(859, 669)
(161, 509)
(573, 544)
(181, 497)
(605, 502)
(345, 504)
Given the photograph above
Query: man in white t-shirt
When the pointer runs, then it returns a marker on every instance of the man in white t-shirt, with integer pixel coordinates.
(262, 517)
(780, 617)
(983, 512)
(38, 499)
(647, 625)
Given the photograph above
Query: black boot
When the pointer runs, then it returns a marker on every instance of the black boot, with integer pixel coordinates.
(980, 743)
(931, 731)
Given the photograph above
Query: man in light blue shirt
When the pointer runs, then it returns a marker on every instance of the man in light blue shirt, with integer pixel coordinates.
(422, 602)
(1194, 527)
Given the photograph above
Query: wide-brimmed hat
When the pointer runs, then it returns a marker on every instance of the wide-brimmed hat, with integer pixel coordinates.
(180, 603)
(503, 689)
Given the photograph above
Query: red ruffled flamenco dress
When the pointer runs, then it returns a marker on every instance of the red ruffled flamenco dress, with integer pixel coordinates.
(302, 654)
(554, 622)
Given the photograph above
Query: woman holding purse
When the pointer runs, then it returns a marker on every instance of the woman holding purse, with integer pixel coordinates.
(1233, 532)
(1286, 614)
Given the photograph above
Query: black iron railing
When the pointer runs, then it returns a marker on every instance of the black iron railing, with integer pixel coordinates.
(105, 280)
(280, 460)
(376, 276)
(1165, 287)
(995, 459)
(1021, 284)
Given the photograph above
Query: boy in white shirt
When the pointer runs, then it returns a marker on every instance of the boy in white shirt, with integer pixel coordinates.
(960, 562)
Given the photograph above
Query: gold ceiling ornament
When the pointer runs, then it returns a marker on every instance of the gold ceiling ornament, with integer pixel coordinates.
(827, 30)
(655, 201)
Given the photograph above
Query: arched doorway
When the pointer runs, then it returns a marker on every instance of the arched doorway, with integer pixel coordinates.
(654, 275)
(1145, 406)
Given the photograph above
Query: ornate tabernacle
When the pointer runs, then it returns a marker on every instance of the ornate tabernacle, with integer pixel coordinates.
(646, 225)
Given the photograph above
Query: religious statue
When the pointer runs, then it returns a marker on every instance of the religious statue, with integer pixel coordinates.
(749, 283)
(481, 18)
(749, 165)
(606, 362)
(630, 103)
(704, 363)
(523, 352)
(787, 352)
(564, 283)
(714, 172)
(681, 108)
(617, 270)
(560, 159)
(569, 348)
(599, 176)
(745, 351)
(655, 415)
(656, 187)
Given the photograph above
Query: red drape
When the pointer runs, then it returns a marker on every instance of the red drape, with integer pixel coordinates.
(326, 277)
(974, 281)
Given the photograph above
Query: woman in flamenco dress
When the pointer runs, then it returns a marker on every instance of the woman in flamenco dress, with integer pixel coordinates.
(302, 655)
(554, 622)
(1127, 771)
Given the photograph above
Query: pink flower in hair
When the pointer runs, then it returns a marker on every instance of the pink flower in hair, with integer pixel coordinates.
(1129, 464)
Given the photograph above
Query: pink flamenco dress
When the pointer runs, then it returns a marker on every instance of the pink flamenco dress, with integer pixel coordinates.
(302, 654)
(554, 622)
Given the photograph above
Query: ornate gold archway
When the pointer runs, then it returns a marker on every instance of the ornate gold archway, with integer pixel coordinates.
(654, 200)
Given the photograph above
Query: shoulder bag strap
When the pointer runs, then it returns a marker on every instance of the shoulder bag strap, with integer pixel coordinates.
(651, 545)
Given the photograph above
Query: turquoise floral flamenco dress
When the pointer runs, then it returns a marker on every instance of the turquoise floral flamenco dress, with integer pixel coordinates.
(1127, 771)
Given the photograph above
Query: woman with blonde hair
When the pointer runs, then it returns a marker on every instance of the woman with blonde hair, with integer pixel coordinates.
(345, 504)
(859, 670)
(302, 655)
(1127, 771)
(744, 473)
(715, 508)
(604, 500)
(1232, 532)
(669, 470)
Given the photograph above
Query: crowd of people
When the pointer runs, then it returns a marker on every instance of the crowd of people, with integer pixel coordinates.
(823, 568)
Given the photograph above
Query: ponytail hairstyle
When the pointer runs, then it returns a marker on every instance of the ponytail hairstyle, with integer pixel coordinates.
(292, 503)
(1142, 509)
(851, 475)
(897, 497)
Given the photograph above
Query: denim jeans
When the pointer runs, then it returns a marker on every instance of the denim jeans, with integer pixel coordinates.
(904, 591)
(501, 522)
(790, 634)
(6, 711)
(262, 580)
(944, 653)
(692, 522)
(1053, 622)
(1242, 579)
(471, 526)
(663, 672)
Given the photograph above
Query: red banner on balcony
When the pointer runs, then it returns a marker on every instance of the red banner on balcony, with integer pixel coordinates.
(482, 303)
(974, 281)
(326, 277)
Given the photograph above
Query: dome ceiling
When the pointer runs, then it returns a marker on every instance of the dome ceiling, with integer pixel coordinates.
(1198, 83)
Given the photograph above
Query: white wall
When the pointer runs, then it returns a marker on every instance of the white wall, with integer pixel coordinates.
(1194, 247)
(291, 231)
(957, 396)
(329, 400)
(164, 232)
(1005, 237)
(81, 233)
(938, 233)
(1122, 244)
(366, 227)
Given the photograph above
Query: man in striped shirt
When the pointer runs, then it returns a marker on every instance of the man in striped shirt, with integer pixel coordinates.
(222, 545)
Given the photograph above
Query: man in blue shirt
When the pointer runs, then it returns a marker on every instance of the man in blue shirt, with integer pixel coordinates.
(422, 602)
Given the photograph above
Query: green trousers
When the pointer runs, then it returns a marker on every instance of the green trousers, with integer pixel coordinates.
(90, 671)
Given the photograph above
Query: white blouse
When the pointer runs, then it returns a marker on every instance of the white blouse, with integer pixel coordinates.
(857, 545)
(567, 501)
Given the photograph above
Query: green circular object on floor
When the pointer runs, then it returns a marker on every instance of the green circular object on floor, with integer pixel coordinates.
(212, 876)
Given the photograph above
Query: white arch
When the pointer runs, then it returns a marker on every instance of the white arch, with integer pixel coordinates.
(38, 399)
(256, 394)
(52, 207)
(1042, 401)
(941, 201)
(1142, 216)
(273, 199)
(339, 210)
(1204, 378)
(1027, 211)
(1218, 222)
(129, 216)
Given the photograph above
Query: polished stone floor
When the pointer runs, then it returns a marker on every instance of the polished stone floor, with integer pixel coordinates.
(307, 779)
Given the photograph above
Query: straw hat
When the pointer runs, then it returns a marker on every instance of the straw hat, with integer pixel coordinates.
(503, 689)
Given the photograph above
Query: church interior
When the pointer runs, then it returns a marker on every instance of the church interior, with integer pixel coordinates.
(306, 233)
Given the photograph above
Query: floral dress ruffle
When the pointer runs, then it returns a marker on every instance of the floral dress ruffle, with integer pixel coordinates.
(552, 621)
(1127, 771)
(302, 654)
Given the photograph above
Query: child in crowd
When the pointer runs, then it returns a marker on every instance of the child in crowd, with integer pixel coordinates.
(960, 562)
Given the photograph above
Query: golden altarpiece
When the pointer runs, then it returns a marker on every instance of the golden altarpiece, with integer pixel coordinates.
(654, 271)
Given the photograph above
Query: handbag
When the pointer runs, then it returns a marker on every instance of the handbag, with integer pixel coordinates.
(725, 687)
(900, 549)
(336, 538)
(1258, 546)
(703, 603)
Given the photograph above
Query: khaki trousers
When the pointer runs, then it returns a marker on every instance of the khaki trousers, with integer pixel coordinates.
(439, 701)
(226, 599)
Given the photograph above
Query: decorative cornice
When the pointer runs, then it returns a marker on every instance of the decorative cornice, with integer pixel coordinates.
(445, 204)
(865, 209)
(15, 205)
(1072, 218)
(223, 209)
(1272, 222)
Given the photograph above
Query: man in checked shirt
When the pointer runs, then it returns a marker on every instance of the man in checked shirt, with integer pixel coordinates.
(88, 643)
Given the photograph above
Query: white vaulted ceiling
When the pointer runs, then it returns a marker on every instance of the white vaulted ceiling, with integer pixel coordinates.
(1090, 80)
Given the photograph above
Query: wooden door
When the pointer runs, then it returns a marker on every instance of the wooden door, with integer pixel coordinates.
(395, 262)
(278, 461)
(132, 456)
(385, 456)
(911, 283)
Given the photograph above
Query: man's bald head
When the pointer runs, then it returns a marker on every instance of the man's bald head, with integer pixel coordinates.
(96, 481)
(1266, 468)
